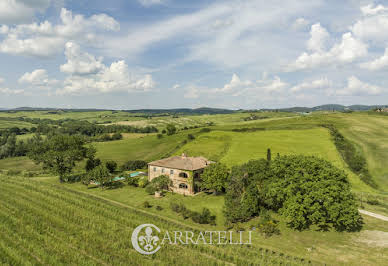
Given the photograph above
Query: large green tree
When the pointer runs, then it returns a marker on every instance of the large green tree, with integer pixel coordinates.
(306, 190)
(59, 153)
(215, 177)
(171, 129)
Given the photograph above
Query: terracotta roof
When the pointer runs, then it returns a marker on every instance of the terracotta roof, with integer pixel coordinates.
(183, 162)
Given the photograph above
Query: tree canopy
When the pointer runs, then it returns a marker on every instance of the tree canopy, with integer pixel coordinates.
(215, 177)
(306, 190)
(59, 153)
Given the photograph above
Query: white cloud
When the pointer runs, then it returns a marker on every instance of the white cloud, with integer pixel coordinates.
(318, 39)
(89, 75)
(347, 51)
(312, 85)
(300, 24)
(19, 11)
(4, 29)
(378, 63)
(8, 91)
(80, 63)
(37, 78)
(151, 2)
(372, 9)
(192, 93)
(373, 26)
(237, 87)
(1, 80)
(45, 39)
(356, 87)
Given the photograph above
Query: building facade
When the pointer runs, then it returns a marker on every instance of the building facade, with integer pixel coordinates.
(183, 171)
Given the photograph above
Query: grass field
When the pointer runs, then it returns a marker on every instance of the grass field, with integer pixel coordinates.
(370, 133)
(11, 123)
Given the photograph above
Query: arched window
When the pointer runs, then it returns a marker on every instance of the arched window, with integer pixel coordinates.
(182, 185)
(183, 174)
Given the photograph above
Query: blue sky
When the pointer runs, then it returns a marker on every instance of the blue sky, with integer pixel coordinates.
(168, 53)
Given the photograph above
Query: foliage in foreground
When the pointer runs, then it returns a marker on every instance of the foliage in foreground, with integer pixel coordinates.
(306, 190)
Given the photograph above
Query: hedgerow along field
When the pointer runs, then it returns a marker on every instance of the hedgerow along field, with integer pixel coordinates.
(87, 230)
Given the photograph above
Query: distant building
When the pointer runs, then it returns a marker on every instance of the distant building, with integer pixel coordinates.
(382, 110)
(183, 171)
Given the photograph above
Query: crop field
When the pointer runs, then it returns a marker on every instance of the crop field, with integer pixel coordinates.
(86, 230)
(202, 120)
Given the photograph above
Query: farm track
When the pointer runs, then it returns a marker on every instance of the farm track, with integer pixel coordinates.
(44, 224)
(375, 215)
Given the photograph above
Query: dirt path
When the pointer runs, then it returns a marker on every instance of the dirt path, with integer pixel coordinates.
(375, 215)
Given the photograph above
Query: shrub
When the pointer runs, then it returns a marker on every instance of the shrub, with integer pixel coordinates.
(106, 137)
(146, 204)
(92, 163)
(142, 182)
(132, 181)
(171, 129)
(111, 166)
(162, 182)
(190, 137)
(205, 130)
(14, 172)
(202, 218)
(372, 201)
(267, 226)
(159, 208)
(159, 136)
(117, 136)
(150, 189)
(174, 207)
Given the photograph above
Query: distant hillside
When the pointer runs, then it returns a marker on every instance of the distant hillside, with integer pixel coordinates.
(202, 110)
(208, 110)
(328, 107)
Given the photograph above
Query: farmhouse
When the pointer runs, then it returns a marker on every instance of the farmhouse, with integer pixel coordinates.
(184, 172)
